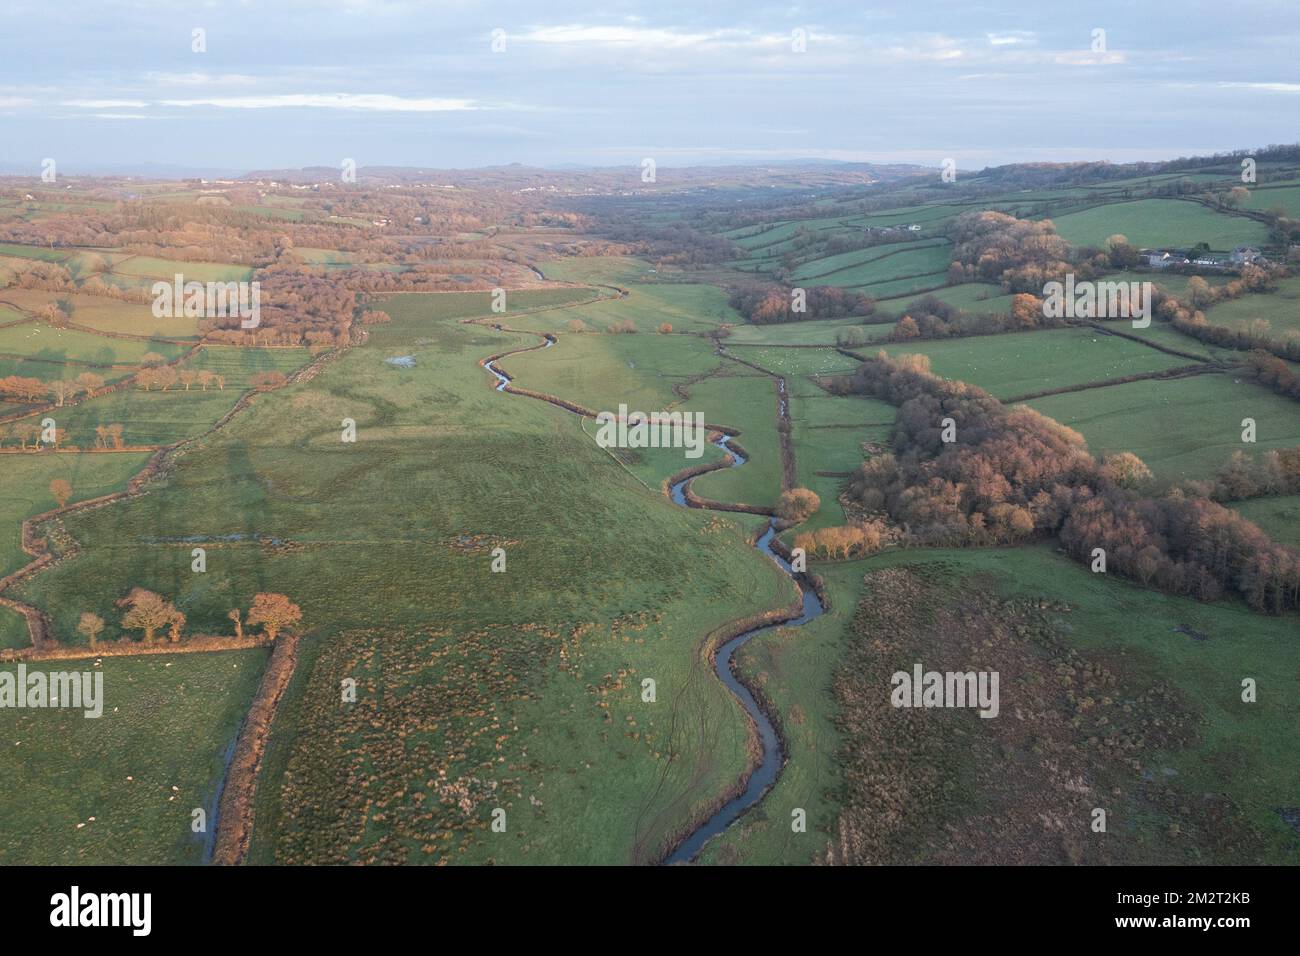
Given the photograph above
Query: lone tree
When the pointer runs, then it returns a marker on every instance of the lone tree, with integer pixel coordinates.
(61, 491)
(175, 624)
(798, 504)
(239, 625)
(274, 612)
(148, 612)
(90, 625)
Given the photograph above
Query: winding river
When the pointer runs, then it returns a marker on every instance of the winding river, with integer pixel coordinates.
(769, 764)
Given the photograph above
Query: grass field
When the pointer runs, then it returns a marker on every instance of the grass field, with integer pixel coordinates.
(814, 332)
(1265, 198)
(1184, 428)
(600, 371)
(687, 307)
(975, 297)
(782, 361)
(1159, 223)
(829, 266)
(598, 593)
(121, 788)
(158, 418)
(1022, 363)
(38, 340)
(746, 400)
(25, 492)
(1281, 309)
(1279, 517)
(149, 267)
(887, 268)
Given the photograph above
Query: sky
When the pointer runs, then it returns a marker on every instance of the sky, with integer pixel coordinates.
(118, 85)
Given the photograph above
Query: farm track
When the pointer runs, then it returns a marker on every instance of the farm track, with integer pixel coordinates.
(765, 746)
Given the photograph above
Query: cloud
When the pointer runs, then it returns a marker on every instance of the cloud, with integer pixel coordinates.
(1266, 87)
(10, 101)
(201, 79)
(1087, 58)
(656, 37)
(105, 104)
(1011, 37)
(377, 102)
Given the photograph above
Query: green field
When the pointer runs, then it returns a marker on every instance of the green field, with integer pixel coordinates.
(38, 340)
(1185, 428)
(1022, 363)
(600, 371)
(1266, 198)
(1159, 223)
(121, 788)
(801, 361)
(886, 269)
(25, 492)
(978, 297)
(813, 332)
(597, 585)
(1279, 517)
(1280, 309)
(149, 267)
(746, 400)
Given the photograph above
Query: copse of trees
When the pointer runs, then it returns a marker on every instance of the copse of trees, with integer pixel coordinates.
(1274, 472)
(769, 304)
(1009, 473)
(1021, 254)
(932, 318)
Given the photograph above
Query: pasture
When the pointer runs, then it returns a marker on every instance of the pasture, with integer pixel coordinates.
(1159, 223)
(1183, 428)
(1021, 363)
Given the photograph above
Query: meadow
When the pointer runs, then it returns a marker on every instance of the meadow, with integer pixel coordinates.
(1183, 428)
(121, 788)
(1280, 309)
(1022, 363)
(1158, 223)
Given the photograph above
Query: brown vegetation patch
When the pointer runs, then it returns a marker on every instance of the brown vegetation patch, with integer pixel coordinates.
(1075, 731)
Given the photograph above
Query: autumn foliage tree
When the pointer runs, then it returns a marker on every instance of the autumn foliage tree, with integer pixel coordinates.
(147, 612)
(274, 612)
(90, 625)
(798, 504)
(61, 490)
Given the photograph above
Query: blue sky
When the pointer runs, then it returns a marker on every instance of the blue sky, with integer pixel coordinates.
(99, 84)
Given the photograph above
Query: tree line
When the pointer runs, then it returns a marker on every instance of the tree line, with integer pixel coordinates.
(1008, 474)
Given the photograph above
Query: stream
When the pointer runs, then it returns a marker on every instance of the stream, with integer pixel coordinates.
(769, 764)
